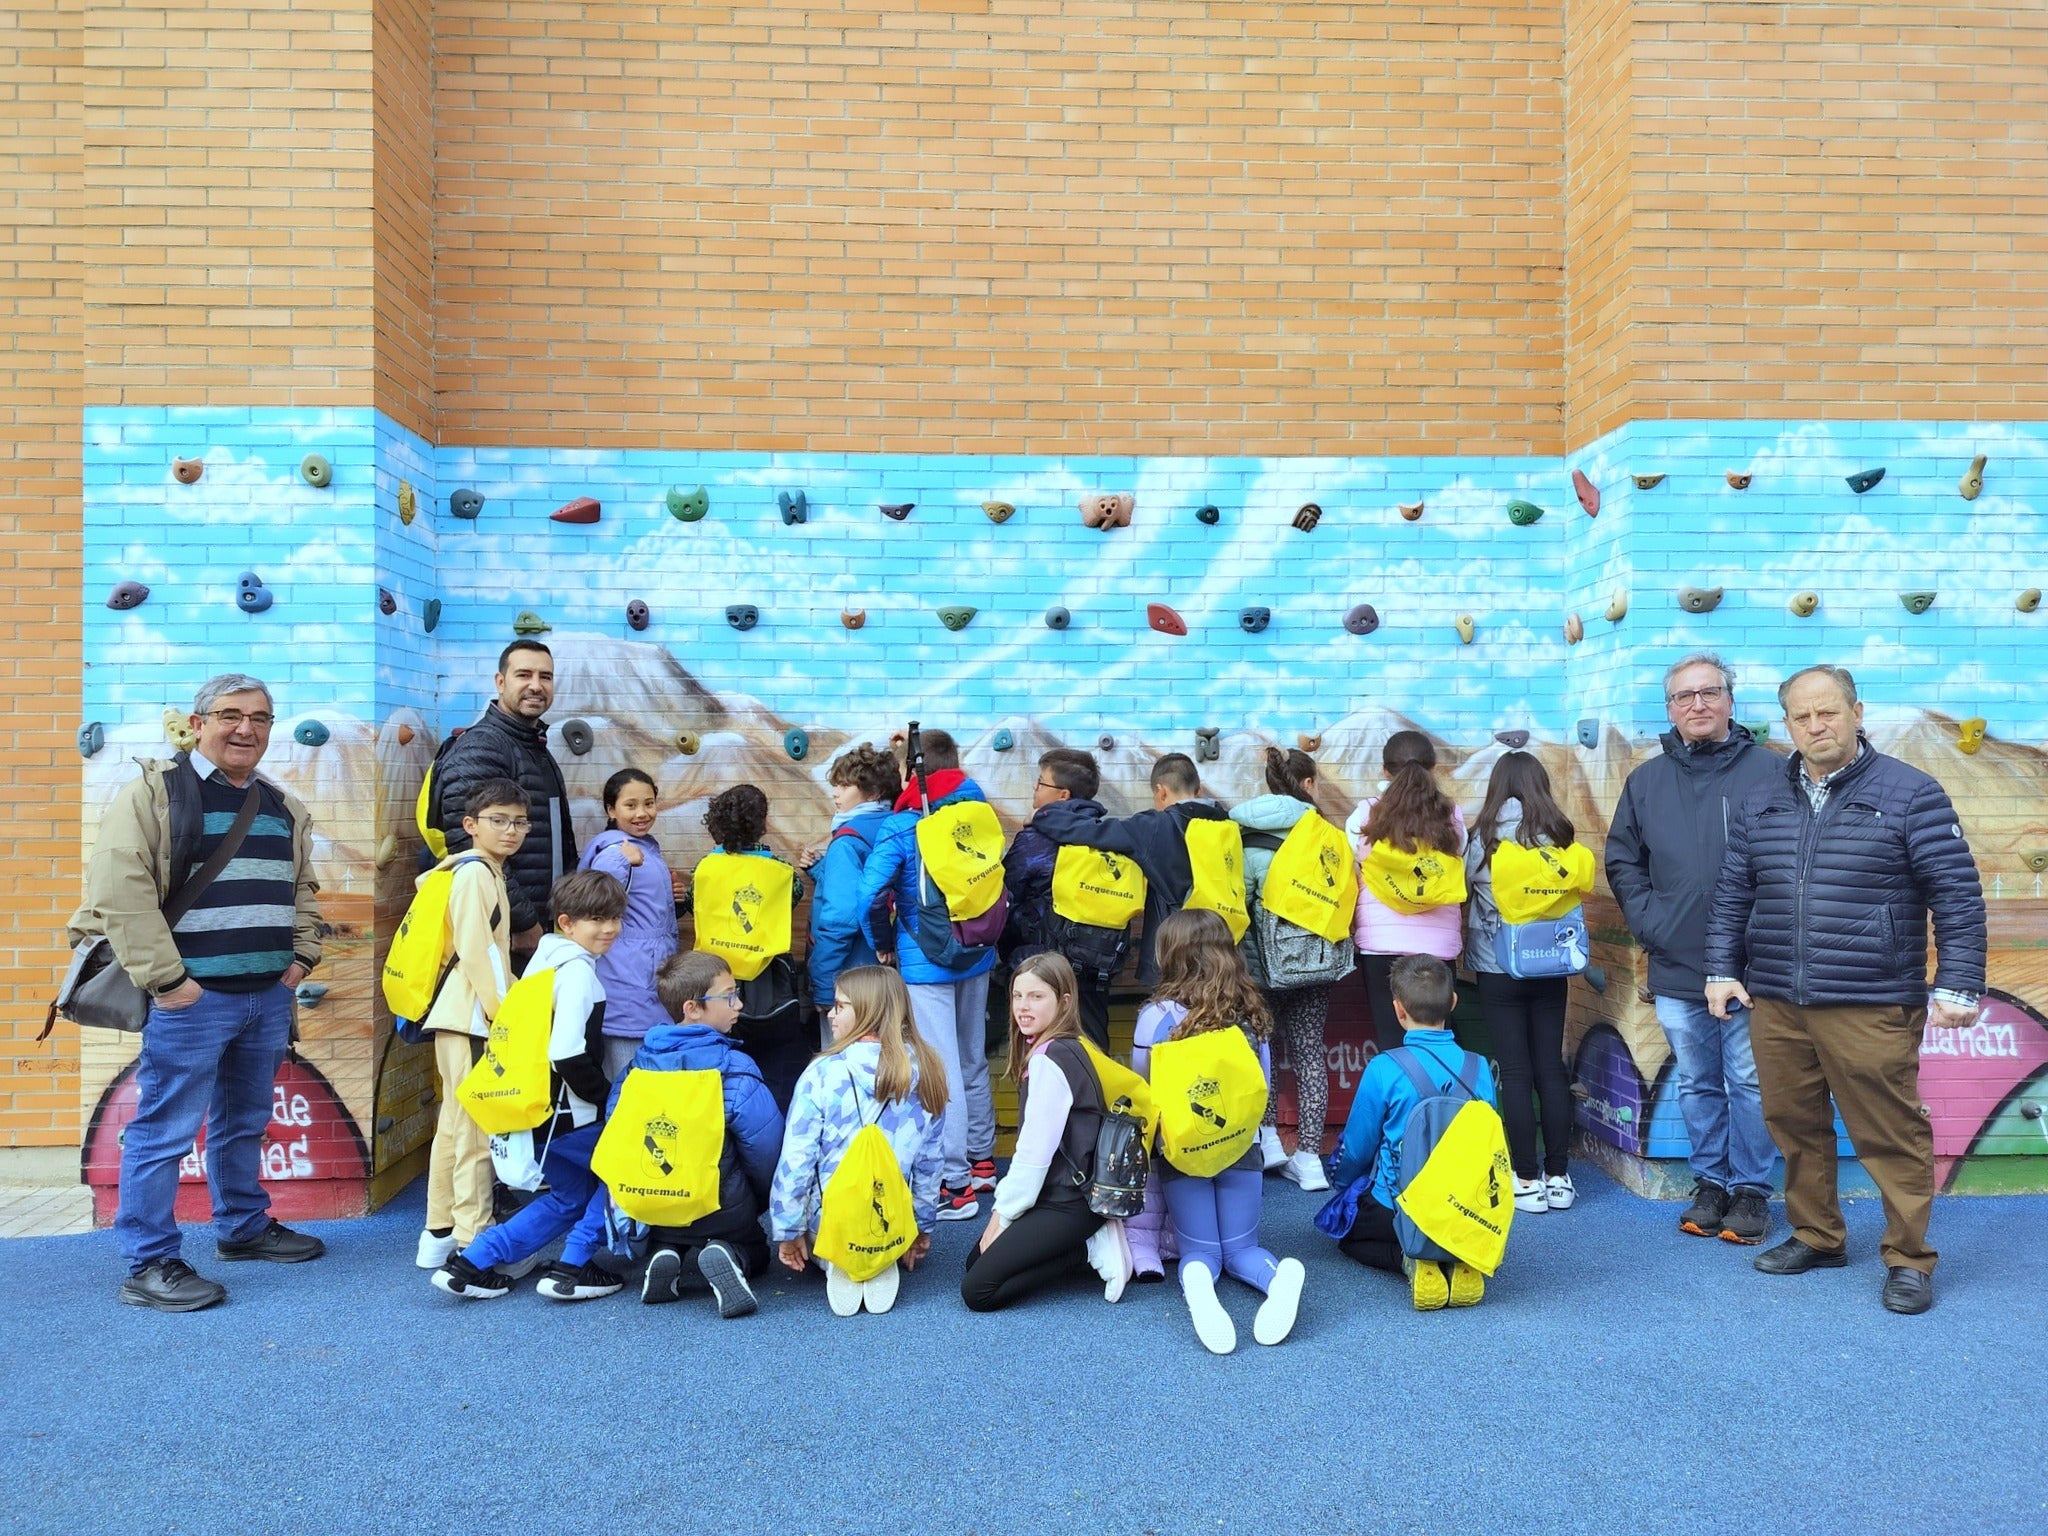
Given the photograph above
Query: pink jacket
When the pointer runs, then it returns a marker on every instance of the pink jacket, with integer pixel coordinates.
(1378, 929)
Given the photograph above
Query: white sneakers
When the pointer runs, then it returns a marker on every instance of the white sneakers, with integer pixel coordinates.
(434, 1251)
(1552, 1194)
(1270, 1148)
(846, 1295)
(879, 1294)
(1529, 1195)
(1212, 1324)
(1305, 1169)
(1276, 1313)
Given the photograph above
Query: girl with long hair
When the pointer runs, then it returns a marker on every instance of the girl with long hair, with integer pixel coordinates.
(1413, 818)
(627, 851)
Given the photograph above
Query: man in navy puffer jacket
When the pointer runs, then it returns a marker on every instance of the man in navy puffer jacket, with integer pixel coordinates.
(1832, 870)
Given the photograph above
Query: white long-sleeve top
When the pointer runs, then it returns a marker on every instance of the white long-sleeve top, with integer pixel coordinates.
(1048, 1099)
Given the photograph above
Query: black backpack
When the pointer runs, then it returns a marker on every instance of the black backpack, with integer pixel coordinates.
(1095, 953)
(1116, 1184)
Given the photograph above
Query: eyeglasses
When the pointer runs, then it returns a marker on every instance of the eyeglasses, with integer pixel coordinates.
(1684, 698)
(732, 997)
(234, 719)
(1043, 785)
(506, 823)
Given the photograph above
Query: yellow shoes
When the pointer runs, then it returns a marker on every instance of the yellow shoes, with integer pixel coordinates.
(1426, 1280)
(1467, 1286)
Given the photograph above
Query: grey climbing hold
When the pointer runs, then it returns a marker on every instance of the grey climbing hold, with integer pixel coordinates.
(1253, 621)
(1514, 741)
(795, 507)
(1596, 978)
(1003, 740)
(1863, 480)
(126, 595)
(577, 736)
(1972, 484)
(896, 511)
(1803, 604)
(1057, 617)
(387, 603)
(797, 743)
(465, 504)
(316, 471)
(310, 733)
(956, 616)
(1588, 732)
(251, 596)
(310, 993)
(1647, 482)
(742, 616)
(1699, 599)
(1917, 602)
(688, 506)
(430, 615)
(1208, 516)
(1362, 619)
(92, 737)
(637, 615)
(1759, 730)
(1207, 747)
(1105, 743)
(2029, 600)
(530, 623)
(1522, 513)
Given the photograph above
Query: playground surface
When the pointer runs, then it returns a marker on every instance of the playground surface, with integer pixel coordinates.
(1618, 1377)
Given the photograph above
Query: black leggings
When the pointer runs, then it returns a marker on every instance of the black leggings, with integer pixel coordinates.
(1379, 993)
(1038, 1247)
(1525, 1020)
(1371, 1239)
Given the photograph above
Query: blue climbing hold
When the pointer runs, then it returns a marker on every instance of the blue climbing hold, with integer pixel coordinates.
(1253, 621)
(1057, 617)
(126, 595)
(797, 743)
(92, 736)
(310, 993)
(430, 615)
(742, 616)
(796, 507)
(310, 733)
(1589, 734)
(466, 503)
(251, 596)
(1003, 740)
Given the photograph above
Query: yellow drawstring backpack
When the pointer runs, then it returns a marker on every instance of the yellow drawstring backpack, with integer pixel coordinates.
(866, 1217)
(1313, 880)
(660, 1150)
(1532, 884)
(418, 960)
(509, 1089)
(961, 848)
(1412, 882)
(1095, 888)
(1216, 859)
(741, 902)
(1211, 1095)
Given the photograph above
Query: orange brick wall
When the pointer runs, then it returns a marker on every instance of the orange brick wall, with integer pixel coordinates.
(402, 163)
(1599, 218)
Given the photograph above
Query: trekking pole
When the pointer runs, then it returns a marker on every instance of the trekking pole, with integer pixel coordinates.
(913, 767)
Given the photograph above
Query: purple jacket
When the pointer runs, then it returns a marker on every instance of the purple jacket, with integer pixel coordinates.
(649, 937)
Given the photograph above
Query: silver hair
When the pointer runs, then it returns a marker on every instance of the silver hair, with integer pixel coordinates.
(1839, 675)
(214, 689)
(1702, 659)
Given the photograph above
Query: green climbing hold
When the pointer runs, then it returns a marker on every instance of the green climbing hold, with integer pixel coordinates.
(688, 506)
(2029, 600)
(530, 623)
(1699, 599)
(310, 733)
(1522, 513)
(1863, 479)
(1917, 602)
(1759, 730)
(316, 471)
(956, 618)
(1648, 482)
(430, 615)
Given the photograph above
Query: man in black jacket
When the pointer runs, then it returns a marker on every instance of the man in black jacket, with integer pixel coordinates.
(510, 742)
(1664, 852)
(1821, 913)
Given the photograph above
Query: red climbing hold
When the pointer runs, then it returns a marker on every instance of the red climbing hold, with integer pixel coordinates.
(584, 509)
(1165, 620)
(1588, 493)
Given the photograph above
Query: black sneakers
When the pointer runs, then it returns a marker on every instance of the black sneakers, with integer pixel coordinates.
(1709, 1204)
(1748, 1217)
(462, 1279)
(276, 1244)
(662, 1281)
(957, 1204)
(722, 1270)
(171, 1285)
(585, 1282)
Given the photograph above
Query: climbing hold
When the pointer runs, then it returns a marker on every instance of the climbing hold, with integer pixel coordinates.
(1207, 748)
(2029, 600)
(92, 737)
(1253, 621)
(795, 507)
(1104, 509)
(797, 743)
(1362, 619)
(1309, 742)
(1165, 620)
(1208, 516)
(999, 511)
(530, 623)
(1917, 602)
(127, 594)
(188, 471)
(637, 615)
(1411, 511)
(956, 617)
(386, 602)
(178, 729)
(1465, 628)
(1003, 740)
(853, 618)
(1972, 736)
(1863, 479)
(1699, 599)
(1595, 978)
(577, 736)
(465, 504)
(430, 615)
(688, 506)
(1057, 618)
(408, 502)
(1759, 730)
(1514, 741)
(742, 616)
(1307, 518)
(1587, 492)
(310, 733)
(1647, 482)
(1803, 604)
(1738, 481)
(2037, 860)
(316, 471)
(1523, 513)
(687, 743)
(1972, 484)
(251, 596)
(583, 511)
(309, 993)
(1588, 733)
(1617, 606)
(405, 735)
(896, 511)
(1574, 629)
(1105, 743)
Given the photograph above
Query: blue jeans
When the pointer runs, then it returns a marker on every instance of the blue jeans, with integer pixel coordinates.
(550, 1214)
(214, 1062)
(1718, 1095)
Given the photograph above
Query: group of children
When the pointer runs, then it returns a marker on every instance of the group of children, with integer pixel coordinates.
(685, 1098)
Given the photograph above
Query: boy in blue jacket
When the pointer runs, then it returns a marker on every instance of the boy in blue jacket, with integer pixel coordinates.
(865, 784)
(1370, 1150)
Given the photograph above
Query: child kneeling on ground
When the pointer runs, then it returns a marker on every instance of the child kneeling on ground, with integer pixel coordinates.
(1369, 1170)
(589, 908)
(864, 1226)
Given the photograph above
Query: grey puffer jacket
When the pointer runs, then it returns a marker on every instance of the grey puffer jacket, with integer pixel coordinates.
(1831, 910)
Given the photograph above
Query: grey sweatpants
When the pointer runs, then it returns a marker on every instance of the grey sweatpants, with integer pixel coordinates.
(951, 1015)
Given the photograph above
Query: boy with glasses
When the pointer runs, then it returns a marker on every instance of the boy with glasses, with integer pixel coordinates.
(1062, 799)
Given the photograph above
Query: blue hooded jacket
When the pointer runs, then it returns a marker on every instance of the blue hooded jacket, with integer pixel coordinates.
(1383, 1103)
(894, 864)
(838, 939)
(753, 1125)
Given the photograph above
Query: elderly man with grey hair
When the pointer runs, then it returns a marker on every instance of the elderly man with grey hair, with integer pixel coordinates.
(219, 978)
(1664, 851)
(1820, 917)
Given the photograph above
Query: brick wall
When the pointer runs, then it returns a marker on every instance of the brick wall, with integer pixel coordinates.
(402, 164)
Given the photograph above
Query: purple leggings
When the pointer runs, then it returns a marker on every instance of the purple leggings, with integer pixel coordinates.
(1217, 1223)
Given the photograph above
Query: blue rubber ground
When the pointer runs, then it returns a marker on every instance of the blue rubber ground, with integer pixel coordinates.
(1619, 1377)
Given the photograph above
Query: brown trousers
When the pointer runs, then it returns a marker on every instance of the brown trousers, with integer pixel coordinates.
(459, 1175)
(1867, 1061)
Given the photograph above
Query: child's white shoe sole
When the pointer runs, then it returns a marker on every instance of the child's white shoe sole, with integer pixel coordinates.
(1276, 1315)
(1212, 1324)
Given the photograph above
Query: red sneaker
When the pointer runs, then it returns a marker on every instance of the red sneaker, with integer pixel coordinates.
(957, 1204)
(981, 1173)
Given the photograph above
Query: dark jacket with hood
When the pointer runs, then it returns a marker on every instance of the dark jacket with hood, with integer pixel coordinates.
(1830, 909)
(1665, 845)
(502, 745)
(1028, 866)
(1158, 841)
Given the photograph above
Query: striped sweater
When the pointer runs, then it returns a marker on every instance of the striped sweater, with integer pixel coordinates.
(238, 935)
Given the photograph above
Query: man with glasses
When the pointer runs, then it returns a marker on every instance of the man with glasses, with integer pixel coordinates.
(1820, 914)
(220, 983)
(1664, 852)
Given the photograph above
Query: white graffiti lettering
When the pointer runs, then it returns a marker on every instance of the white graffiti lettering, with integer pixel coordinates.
(1981, 1040)
(290, 1109)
